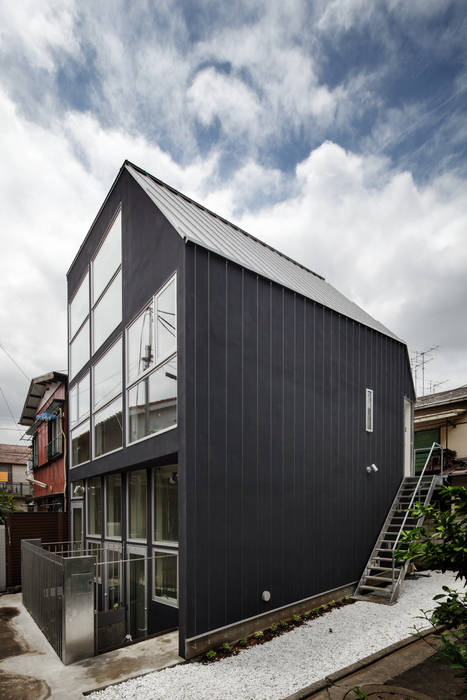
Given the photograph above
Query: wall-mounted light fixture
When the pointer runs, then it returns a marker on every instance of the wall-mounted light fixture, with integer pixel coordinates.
(266, 596)
(372, 468)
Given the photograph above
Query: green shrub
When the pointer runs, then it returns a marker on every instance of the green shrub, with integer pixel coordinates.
(226, 648)
(283, 624)
(211, 655)
(273, 628)
(306, 614)
(296, 619)
(243, 642)
(258, 635)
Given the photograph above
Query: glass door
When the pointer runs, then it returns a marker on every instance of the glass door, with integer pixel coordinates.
(136, 592)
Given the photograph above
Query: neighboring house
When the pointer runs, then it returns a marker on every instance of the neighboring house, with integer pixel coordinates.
(442, 418)
(13, 461)
(225, 405)
(44, 413)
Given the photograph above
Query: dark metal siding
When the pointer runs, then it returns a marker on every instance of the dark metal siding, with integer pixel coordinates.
(277, 495)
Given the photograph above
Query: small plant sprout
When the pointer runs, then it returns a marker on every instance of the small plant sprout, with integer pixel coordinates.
(226, 648)
(283, 624)
(273, 628)
(331, 603)
(306, 614)
(243, 642)
(316, 611)
(211, 655)
(258, 635)
(296, 619)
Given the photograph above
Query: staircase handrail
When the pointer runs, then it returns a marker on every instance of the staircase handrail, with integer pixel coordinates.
(409, 508)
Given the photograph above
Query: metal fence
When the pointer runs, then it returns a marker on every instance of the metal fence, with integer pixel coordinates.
(58, 593)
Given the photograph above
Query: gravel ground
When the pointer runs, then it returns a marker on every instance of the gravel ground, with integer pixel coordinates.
(288, 663)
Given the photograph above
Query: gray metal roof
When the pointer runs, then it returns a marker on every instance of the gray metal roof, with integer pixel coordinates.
(195, 223)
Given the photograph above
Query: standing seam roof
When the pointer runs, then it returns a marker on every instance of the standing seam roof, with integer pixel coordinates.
(195, 223)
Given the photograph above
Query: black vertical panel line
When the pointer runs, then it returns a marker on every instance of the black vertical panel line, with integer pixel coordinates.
(208, 448)
(271, 545)
(306, 534)
(226, 462)
(194, 466)
(283, 499)
(242, 483)
(259, 549)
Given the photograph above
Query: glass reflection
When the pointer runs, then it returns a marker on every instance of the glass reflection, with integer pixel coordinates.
(108, 313)
(140, 352)
(108, 259)
(166, 322)
(107, 376)
(152, 403)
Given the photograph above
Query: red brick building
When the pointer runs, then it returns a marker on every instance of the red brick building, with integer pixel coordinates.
(44, 413)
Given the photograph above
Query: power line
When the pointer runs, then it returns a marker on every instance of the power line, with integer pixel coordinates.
(8, 406)
(14, 362)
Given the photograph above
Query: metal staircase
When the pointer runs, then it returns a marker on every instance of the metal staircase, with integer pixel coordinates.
(382, 577)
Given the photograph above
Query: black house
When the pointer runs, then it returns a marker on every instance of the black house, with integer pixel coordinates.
(225, 403)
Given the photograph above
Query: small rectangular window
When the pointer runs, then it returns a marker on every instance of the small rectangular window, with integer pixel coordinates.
(80, 444)
(369, 410)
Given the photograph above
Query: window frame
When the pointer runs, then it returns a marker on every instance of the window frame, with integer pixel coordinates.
(369, 405)
(73, 337)
(93, 536)
(95, 302)
(158, 360)
(113, 538)
(94, 412)
(154, 597)
(78, 425)
(154, 542)
(136, 540)
(127, 407)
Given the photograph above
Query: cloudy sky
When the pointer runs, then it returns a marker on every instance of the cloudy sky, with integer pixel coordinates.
(333, 129)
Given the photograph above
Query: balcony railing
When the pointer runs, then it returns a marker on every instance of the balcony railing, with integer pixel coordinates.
(55, 447)
(17, 488)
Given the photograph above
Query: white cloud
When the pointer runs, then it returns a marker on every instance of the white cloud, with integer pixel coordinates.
(39, 29)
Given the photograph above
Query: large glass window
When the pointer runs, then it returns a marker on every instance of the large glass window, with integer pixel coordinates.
(152, 402)
(79, 306)
(79, 350)
(113, 505)
(80, 444)
(165, 578)
(108, 428)
(140, 345)
(94, 506)
(107, 376)
(137, 505)
(108, 259)
(369, 410)
(165, 504)
(166, 330)
(79, 401)
(107, 313)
